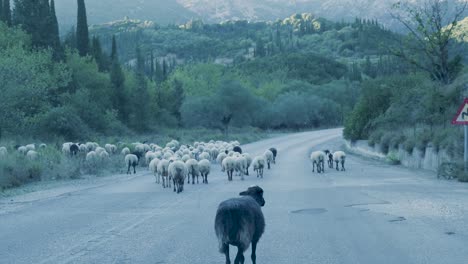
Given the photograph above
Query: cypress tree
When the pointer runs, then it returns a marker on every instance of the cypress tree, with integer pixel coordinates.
(117, 78)
(1, 11)
(114, 55)
(98, 55)
(82, 34)
(54, 32)
(6, 12)
(140, 95)
(164, 70)
(151, 74)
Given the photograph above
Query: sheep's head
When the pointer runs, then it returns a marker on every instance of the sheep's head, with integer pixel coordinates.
(255, 192)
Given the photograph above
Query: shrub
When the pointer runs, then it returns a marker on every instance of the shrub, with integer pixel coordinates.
(393, 158)
(409, 145)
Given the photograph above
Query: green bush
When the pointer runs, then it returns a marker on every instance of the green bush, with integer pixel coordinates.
(393, 158)
(409, 145)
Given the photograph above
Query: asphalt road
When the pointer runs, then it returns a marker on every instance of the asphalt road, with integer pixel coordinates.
(372, 213)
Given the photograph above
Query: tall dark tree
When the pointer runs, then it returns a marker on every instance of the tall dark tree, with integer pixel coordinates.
(70, 39)
(140, 96)
(54, 32)
(101, 59)
(6, 12)
(82, 34)
(117, 77)
(260, 48)
(178, 99)
(34, 18)
(114, 55)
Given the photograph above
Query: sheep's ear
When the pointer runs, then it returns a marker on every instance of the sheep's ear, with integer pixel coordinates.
(243, 193)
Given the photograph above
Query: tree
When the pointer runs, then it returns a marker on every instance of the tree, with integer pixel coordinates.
(55, 35)
(431, 29)
(99, 56)
(114, 55)
(260, 48)
(117, 78)
(82, 34)
(177, 96)
(6, 12)
(140, 96)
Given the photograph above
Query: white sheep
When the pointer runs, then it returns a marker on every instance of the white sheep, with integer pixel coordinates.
(178, 172)
(229, 165)
(42, 146)
(125, 151)
(149, 156)
(3, 151)
(249, 160)
(269, 158)
(66, 148)
(204, 166)
(318, 160)
(92, 159)
(221, 157)
(339, 157)
(153, 167)
(91, 146)
(204, 155)
(131, 160)
(163, 172)
(192, 167)
(104, 156)
(241, 166)
(99, 150)
(83, 149)
(30, 147)
(110, 148)
(23, 150)
(258, 164)
(32, 155)
(185, 157)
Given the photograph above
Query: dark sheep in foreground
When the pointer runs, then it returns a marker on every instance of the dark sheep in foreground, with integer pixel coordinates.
(275, 153)
(239, 222)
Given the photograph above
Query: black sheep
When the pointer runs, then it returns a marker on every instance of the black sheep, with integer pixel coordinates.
(237, 149)
(275, 152)
(239, 222)
(74, 149)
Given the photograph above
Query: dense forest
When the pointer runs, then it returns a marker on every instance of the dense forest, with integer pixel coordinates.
(302, 72)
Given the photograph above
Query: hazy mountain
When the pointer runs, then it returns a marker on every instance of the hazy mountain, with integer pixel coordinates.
(179, 11)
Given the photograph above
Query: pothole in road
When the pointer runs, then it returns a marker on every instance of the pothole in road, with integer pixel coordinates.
(398, 219)
(450, 233)
(310, 211)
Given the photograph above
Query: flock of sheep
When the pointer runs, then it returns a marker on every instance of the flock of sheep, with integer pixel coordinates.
(172, 164)
(318, 160)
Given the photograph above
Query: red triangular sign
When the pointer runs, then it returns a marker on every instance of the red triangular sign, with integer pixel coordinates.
(462, 115)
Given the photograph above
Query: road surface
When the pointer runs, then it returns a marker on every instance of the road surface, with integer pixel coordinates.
(372, 213)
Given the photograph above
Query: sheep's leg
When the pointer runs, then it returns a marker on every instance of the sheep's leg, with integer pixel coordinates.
(225, 249)
(337, 165)
(240, 256)
(342, 166)
(268, 164)
(174, 186)
(313, 166)
(254, 252)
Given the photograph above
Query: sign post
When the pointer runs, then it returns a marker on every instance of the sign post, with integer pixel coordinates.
(462, 119)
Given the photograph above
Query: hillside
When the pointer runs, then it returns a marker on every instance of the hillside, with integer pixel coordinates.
(180, 11)
(236, 41)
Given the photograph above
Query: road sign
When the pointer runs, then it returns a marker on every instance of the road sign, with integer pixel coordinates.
(462, 119)
(462, 115)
